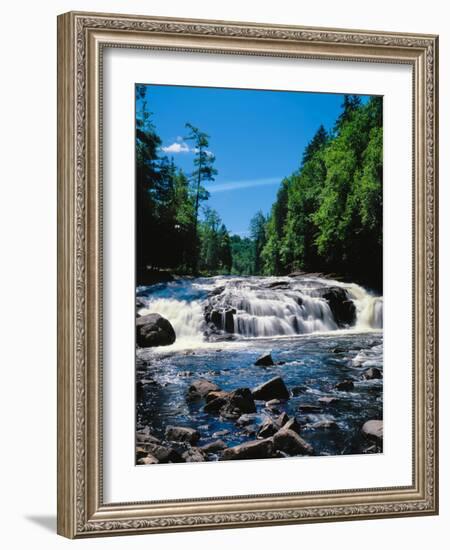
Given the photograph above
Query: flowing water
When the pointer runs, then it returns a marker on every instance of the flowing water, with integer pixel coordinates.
(312, 347)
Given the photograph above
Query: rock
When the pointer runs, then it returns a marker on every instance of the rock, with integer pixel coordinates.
(222, 319)
(214, 406)
(308, 408)
(293, 425)
(147, 438)
(200, 389)
(154, 330)
(246, 419)
(140, 453)
(267, 429)
(149, 459)
(273, 403)
(163, 453)
(372, 374)
(373, 429)
(342, 308)
(193, 455)
(181, 433)
(239, 402)
(214, 446)
(274, 388)
(215, 394)
(325, 425)
(345, 385)
(328, 400)
(264, 360)
(261, 448)
(291, 443)
(282, 419)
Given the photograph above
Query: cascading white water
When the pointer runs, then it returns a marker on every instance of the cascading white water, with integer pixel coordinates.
(185, 317)
(263, 313)
(260, 306)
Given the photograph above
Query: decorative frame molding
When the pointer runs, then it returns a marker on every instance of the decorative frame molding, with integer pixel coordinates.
(81, 38)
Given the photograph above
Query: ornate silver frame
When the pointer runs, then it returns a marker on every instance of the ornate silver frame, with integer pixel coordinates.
(81, 39)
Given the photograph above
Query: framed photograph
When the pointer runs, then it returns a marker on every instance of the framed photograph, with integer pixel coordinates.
(247, 287)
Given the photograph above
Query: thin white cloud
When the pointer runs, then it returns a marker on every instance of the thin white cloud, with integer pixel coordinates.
(243, 184)
(180, 146)
(177, 147)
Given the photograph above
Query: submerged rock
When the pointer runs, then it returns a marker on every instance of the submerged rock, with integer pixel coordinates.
(181, 433)
(275, 388)
(328, 400)
(262, 448)
(264, 360)
(345, 385)
(154, 330)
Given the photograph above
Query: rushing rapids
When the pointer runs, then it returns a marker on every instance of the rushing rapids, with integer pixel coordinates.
(324, 341)
(202, 309)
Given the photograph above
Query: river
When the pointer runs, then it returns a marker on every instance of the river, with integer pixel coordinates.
(319, 332)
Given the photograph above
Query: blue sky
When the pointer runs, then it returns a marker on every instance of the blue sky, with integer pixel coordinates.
(257, 137)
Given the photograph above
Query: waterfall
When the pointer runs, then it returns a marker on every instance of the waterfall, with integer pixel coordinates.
(252, 307)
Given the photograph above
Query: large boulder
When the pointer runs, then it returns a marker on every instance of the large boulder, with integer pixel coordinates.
(193, 454)
(342, 308)
(262, 448)
(291, 443)
(199, 389)
(181, 433)
(154, 330)
(214, 446)
(373, 429)
(275, 388)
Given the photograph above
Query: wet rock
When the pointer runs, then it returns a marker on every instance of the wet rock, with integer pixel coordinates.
(214, 406)
(239, 402)
(373, 429)
(181, 433)
(264, 360)
(342, 308)
(154, 330)
(193, 455)
(214, 446)
(210, 396)
(142, 437)
(291, 443)
(200, 389)
(328, 400)
(325, 425)
(148, 459)
(164, 453)
(274, 404)
(246, 419)
(372, 374)
(268, 428)
(282, 419)
(308, 408)
(275, 388)
(261, 448)
(293, 425)
(345, 385)
(141, 453)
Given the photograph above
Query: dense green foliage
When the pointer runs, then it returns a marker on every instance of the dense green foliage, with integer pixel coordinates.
(327, 215)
